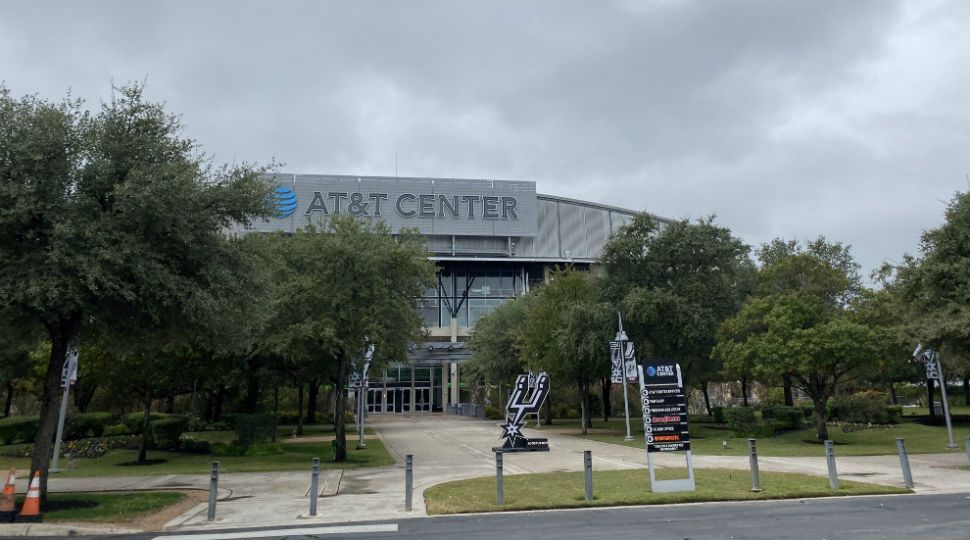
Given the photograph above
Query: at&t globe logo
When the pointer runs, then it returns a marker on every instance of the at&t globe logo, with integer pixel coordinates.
(284, 200)
(651, 371)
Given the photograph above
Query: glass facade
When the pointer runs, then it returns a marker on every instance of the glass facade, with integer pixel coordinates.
(487, 287)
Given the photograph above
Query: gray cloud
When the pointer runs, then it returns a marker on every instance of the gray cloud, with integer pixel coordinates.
(791, 119)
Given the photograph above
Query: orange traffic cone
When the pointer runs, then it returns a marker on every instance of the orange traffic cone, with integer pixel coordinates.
(7, 499)
(30, 511)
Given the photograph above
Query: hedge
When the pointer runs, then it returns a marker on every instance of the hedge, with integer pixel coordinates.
(19, 429)
(167, 431)
(253, 428)
(741, 420)
(84, 425)
(782, 418)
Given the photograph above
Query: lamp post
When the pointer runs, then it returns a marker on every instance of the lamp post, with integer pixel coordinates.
(622, 338)
(362, 394)
(934, 370)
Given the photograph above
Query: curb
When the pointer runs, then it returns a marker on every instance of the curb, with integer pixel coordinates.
(56, 529)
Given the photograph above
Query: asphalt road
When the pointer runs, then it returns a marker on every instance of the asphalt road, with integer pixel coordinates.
(922, 517)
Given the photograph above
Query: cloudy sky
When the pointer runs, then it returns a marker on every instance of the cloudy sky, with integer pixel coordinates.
(783, 118)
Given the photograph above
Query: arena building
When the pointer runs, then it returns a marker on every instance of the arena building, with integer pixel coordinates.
(492, 240)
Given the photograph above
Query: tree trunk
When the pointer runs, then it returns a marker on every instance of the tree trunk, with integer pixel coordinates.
(252, 385)
(8, 404)
(209, 406)
(707, 399)
(220, 398)
(607, 386)
(821, 429)
(60, 334)
(299, 409)
(84, 395)
(583, 406)
(789, 398)
(930, 393)
(276, 407)
(966, 390)
(146, 420)
(548, 407)
(311, 406)
(892, 393)
(744, 391)
(340, 405)
(170, 402)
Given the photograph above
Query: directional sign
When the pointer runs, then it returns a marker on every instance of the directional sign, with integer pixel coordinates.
(664, 404)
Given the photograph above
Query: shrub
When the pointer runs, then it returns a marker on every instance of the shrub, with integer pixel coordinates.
(862, 408)
(19, 429)
(95, 447)
(808, 408)
(494, 413)
(783, 418)
(166, 432)
(288, 418)
(133, 421)
(718, 414)
(264, 449)
(83, 425)
(741, 420)
(115, 430)
(194, 446)
(253, 428)
(220, 449)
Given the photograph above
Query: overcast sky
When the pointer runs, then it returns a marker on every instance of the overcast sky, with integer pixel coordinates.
(791, 119)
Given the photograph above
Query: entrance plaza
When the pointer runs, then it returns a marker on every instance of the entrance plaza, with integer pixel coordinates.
(448, 448)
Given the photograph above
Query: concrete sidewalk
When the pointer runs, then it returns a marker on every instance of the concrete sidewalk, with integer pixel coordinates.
(450, 448)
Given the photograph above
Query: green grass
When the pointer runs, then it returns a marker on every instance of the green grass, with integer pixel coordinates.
(105, 506)
(706, 439)
(615, 488)
(296, 456)
(282, 433)
(956, 410)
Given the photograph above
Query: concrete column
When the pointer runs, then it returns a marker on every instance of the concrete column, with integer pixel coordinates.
(414, 396)
(445, 396)
(454, 383)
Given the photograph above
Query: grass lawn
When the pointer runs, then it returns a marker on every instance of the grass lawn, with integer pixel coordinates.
(296, 456)
(282, 433)
(706, 439)
(615, 488)
(108, 507)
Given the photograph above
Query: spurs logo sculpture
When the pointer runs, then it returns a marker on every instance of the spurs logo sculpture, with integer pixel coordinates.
(523, 401)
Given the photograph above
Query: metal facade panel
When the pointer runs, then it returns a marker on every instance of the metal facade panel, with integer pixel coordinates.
(572, 230)
(620, 220)
(547, 243)
(433, 206)
(597, 230)
(525, 246)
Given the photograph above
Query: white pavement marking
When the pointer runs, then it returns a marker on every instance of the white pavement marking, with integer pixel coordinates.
(341, 529)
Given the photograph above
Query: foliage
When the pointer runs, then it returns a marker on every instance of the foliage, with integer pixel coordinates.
(803, 323)
(167, 431)
(675, 283)
(111, 221)
(82, 425)
(18, 429)
(253, 428)
(192, 445)
(264, 449)
(116, 429)
(741, 420)
(863, 408)
(133, 421)
(496, 343)
(89, 448)
(783, 418)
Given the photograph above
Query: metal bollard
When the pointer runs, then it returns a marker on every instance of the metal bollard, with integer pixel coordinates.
(499, 492)
(314, 485)
(968, 448)
(830, 460)
(588, 468)
(408, 480)
(753, 460)
(213, 489)
(904, 462)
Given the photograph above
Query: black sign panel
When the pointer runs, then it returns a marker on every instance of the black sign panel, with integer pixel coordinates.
(664, 404)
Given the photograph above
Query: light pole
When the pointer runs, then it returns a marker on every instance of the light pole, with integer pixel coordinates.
(934, 370)
(68, 375)
(622, 339)
(362, 395)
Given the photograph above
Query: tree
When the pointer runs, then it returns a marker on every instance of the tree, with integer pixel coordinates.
(675, 285)
(337, 286)
(933, 291)
(567, 333)
(808, 329)
(111, 220)
(495, 344)
(17, 342)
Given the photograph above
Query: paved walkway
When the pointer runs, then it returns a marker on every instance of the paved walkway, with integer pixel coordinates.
(449, 448)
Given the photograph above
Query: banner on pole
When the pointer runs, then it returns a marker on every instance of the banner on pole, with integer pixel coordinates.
(623, 361)
(69, 371)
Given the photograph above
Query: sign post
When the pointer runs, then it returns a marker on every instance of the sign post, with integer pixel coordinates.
(359, 380)
(934, 371)
(664, 405)
(68, 377)
(623, 369)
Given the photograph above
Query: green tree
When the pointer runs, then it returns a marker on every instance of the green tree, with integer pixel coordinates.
(497, 356)
(933, 291)
(808, 329)
(111, 220)
(341, 284)
(567, 332)
(675, 284)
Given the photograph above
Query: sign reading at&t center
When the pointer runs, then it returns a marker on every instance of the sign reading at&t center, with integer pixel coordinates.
(434, 207)
(664, 407)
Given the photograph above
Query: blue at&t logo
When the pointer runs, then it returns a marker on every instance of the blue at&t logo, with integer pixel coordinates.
(284, 200)
(651, 371)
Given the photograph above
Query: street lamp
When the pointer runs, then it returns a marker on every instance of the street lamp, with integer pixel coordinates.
(622, 338)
